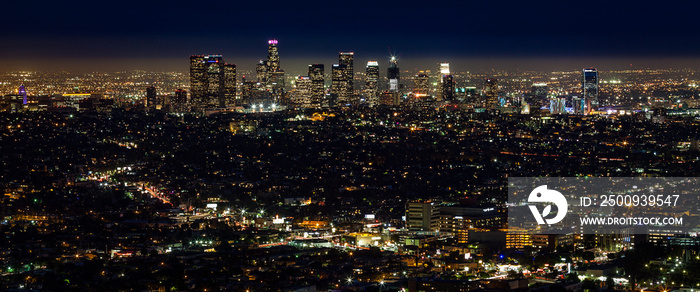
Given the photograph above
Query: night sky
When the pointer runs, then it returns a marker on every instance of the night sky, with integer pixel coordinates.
(160, 35)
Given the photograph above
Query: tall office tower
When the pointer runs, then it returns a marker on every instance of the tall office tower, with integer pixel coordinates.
(198, 79)
(261, 71)
(273, 58)
(491, 93)
(151, 98)
(247, 88)
(275, 75)
(339, 85)
(208, 80)
(178, 103)
(303, 95)
(317, 80)
(229, 85)
(215, 81)
(372, 83)
(23, 92)
(448, 87)
(393, 74)
(539, 93)
(346, 58)
(444, 70)
(276, 80)
(421, 84)
(590, 86)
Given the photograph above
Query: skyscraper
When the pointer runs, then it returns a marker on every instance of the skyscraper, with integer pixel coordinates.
(393, 74)
(444, 70)
(151, 98)
(23, 92)
(346, 59)
(420, 83)
(229, 85)
(261, 72)
(339, 85)
(491, 93)
(317, 80)
(590, 86)
(198, 79)
(273, 58)
(448, 87)
(211, 81)
(372, 83)
(215, 81)
(275, 75)
(180, 96)
(303, 91)
(179, 103)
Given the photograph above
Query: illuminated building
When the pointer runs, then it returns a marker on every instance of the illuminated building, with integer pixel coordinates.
(372, 82)
(275, 75)
(393, 74)
(303, 94)
(215, 80)
(448, 87)
(247, 88)
(458, 220)
(339, 85)
(23, 92)
(422, 216)
(317, 80)
(590, 86)
(346, 59)
(557, 105)
(539, 93)
(421, 84)
(491, 93)
(151, 98)
(178, 103)
(211, 80)
(198, 78)
(229, 85)
(180, 96)
(389, 98)
(261, 71)
(581, 106)
(443, 70)
(273, 58)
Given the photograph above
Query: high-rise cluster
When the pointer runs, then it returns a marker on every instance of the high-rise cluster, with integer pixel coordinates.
(342, 79)
(212, 81)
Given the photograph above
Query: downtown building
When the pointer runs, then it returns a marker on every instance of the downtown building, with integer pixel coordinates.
(339, 86)
(303, 92)
(590, 87)
(428, 216)
(270, 86)
(491, 93)
(342, 93)
(316, 74)
(371, 91)
(212, 82)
